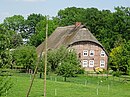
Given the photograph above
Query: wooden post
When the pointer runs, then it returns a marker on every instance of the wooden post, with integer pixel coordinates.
(97, 91)
(45, 67)
(55, 92)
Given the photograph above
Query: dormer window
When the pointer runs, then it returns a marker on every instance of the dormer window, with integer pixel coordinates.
(102, 54)
(85, 52)
(91, 53)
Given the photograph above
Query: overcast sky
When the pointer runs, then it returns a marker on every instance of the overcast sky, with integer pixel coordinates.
(51, 7)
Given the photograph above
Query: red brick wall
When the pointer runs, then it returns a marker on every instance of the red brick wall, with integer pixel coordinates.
(81, 46)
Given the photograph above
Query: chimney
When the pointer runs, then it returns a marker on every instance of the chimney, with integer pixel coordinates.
(77, 24)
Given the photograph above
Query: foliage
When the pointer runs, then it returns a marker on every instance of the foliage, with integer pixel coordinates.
(41, 67)
(71, 15)
(14, 23)
(116, 73)
(5, 83)
(25, 56)
(32, 21)
(40, 33)
(65, 61)
(67, 69)
(5, 57)
(55, 57)
(119, 58)
(16, 40)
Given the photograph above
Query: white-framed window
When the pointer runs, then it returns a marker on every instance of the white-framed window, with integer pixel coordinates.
(91, 63)
(85, 52)
(91, 53)
(102, 63)
(102, 54)
(85, 63)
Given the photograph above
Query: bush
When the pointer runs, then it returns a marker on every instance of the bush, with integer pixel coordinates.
(81, 71)
(5, 83)
(116, 73)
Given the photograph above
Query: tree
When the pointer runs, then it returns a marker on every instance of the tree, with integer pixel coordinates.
(16, 40)
(5, 59)
(25, 56)
(32, 21)
(119, 58)
(71, 15)
(67, 69)
(64, 62)
(40, 35)
(4, 47)
(5, 84)
(69, 66)
(14, 23)
(56, 56)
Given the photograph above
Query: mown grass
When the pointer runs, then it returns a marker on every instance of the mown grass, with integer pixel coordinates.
(81, 86)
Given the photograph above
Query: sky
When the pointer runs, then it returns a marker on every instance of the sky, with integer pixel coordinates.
(9, 8)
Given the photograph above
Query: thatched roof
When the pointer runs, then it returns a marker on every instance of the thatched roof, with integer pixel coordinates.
(66, 36)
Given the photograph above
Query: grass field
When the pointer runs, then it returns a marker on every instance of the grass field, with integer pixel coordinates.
(81, 86)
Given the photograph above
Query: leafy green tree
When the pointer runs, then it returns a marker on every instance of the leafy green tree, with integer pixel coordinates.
(4, 47)
(40, 34)
(67, 69)
(69, 66)
(5, 59)
(71, 15)
(41, 68)
(119, 58)
(121, 21)
(16, 40)
(5, 84)
(14, 23)
(25, 56)
(55, 57)
(32, 21)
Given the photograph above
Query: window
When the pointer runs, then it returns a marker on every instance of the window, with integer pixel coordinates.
(102, 54)
(91, 52)
(85, 53)
(102, 63)
(85, 63)
(91, 63)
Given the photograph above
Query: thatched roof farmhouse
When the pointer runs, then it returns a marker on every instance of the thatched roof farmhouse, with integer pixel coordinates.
(89, 50)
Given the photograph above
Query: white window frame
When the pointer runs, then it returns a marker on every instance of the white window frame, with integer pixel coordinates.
(85, 52)
(91, 51)
(102, 54)
(102, 63)
(85, 63)
(91, 63)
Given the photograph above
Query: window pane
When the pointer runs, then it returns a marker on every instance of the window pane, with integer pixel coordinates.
(85, 63)
(85, 53)
(102, 54)
(91, 52)
(91, 63)
(102, 63)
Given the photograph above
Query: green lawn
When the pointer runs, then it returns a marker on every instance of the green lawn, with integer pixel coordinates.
(81, 86)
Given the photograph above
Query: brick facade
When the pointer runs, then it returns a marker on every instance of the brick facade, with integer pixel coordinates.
(94, 48)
